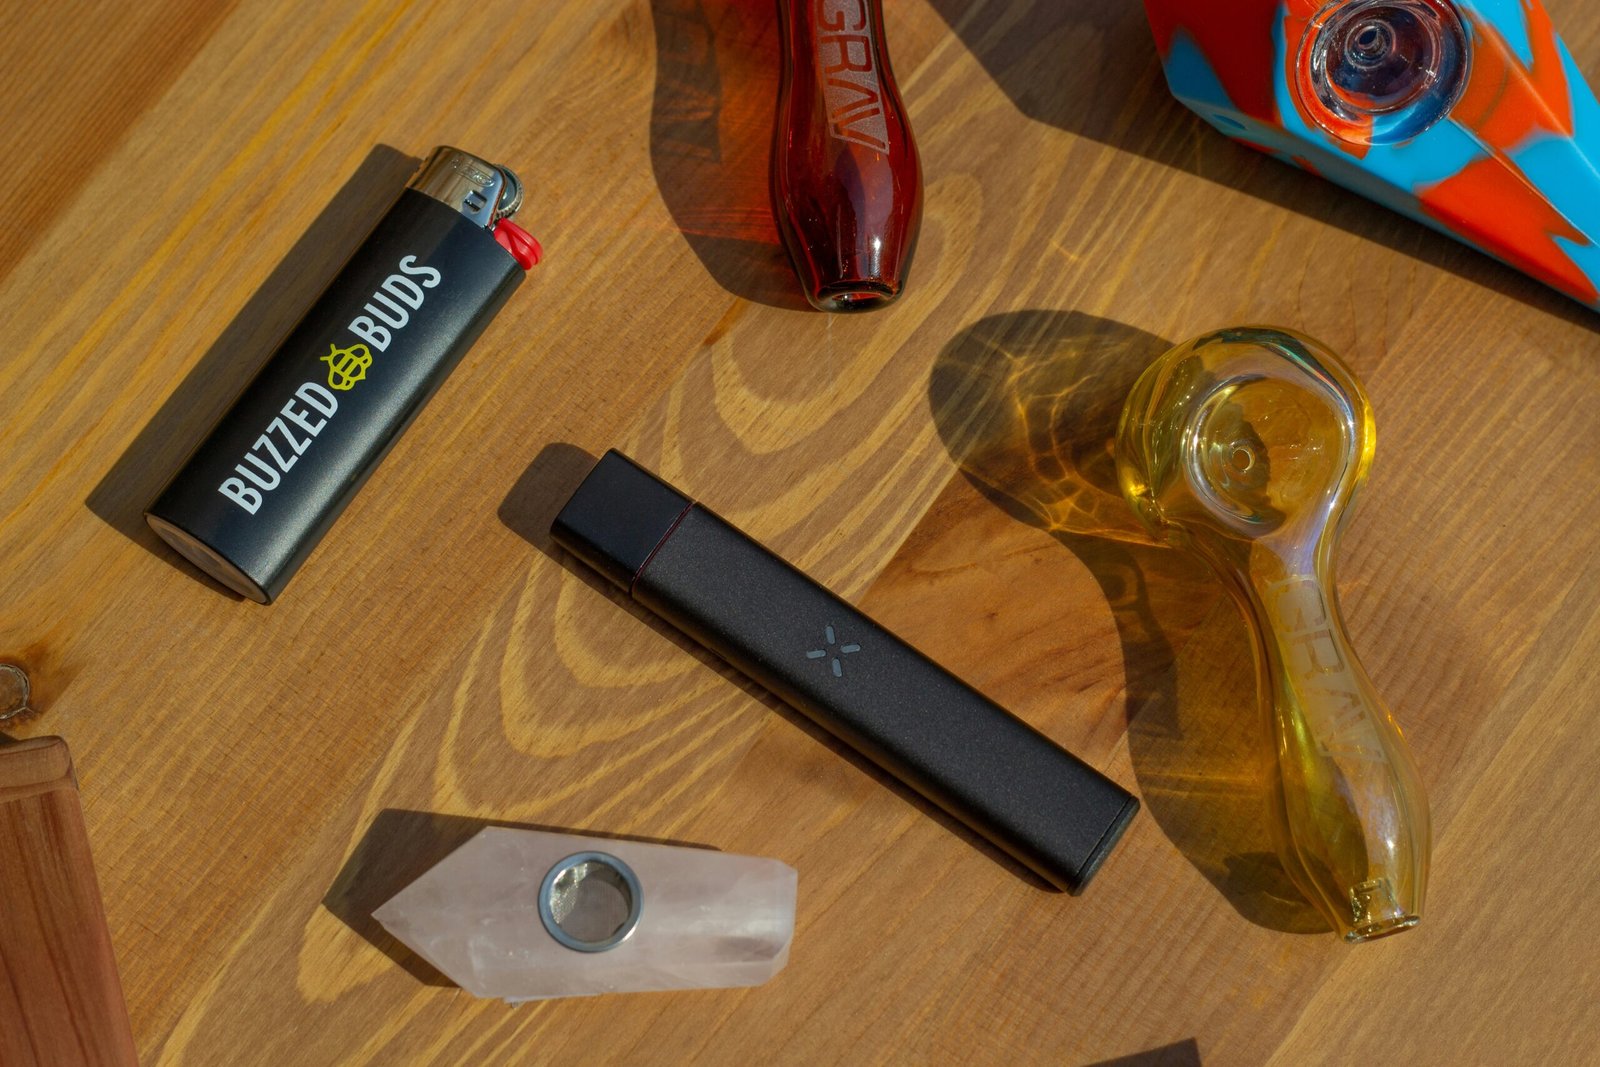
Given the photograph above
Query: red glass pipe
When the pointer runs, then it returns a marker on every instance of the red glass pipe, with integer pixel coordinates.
(846, 182)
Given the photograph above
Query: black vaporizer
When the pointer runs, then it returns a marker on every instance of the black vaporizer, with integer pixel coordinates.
(1005, 780)
(260, 491)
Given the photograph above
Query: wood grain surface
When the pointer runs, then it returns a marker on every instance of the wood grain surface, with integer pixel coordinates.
(184, 177)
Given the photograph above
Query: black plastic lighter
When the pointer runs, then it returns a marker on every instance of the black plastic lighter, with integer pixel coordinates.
(981, 764)
(258, 494)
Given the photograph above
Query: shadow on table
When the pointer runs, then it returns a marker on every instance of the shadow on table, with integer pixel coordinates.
(402, 846)
(528, 511)
(1179, 1054)
(1027, 404)
(1091, 68)
(200, 399)
(716, 92)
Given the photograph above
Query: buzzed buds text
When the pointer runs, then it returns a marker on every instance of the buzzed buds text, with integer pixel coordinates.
(278, 449)
(390, 307)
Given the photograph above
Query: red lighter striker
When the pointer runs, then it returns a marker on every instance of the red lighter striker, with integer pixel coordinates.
(846, 182)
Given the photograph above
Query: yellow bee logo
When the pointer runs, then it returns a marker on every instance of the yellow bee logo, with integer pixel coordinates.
(347, 366)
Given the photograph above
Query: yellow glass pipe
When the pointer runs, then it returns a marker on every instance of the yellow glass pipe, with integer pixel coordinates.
(1246, 448)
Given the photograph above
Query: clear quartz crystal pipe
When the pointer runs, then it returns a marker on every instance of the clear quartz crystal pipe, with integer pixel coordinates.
(529, 915)
(1246, 447)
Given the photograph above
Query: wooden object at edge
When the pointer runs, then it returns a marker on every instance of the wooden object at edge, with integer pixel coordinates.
(60, 997)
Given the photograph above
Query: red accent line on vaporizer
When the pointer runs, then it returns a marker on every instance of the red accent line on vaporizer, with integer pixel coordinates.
(519, 242)
(664, 539)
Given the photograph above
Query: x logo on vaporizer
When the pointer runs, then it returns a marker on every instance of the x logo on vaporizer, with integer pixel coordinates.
(832, 649)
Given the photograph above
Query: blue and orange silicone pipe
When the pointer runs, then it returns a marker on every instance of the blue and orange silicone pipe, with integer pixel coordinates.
(1467, 115)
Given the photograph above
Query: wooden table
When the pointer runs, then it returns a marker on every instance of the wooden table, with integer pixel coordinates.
(183, 177)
